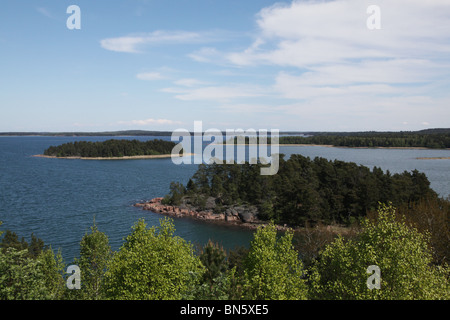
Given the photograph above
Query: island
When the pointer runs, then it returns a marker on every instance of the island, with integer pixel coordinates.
(433, 158)
(112, 149)
(304, 192)
(424, 139)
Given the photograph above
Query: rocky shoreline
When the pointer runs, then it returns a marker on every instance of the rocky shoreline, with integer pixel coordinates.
(243, 216)
(239, 215)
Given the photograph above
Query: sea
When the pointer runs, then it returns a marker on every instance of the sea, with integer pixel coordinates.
(58, 200)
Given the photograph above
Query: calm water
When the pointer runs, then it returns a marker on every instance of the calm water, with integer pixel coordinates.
(57, 199)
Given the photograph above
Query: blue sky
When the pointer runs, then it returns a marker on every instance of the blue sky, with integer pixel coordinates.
(161, 65)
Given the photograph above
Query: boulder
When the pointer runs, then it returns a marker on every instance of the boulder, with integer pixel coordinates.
(210, 203)
(247, 216)
(241, 213)
(232, 218)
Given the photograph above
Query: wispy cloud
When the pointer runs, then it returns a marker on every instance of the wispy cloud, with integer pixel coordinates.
(45, 12)
(318, 60)
(133, 43)
(207, 54)
(217, 93)
(331, 65)
(306, 33)
(149, 76)
(189, 82)
(122, 44)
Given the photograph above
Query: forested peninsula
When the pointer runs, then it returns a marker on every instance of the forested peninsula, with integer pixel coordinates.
(430, 139)
(375, 140)
(111, 149)
(304, 191)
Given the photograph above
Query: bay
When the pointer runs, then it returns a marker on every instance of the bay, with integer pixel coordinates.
(58, 199)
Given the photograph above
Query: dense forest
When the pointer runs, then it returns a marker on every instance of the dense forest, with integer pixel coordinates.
(304, 190)
(155, 264)
(436, 139)
(111, 148)
(432, 139)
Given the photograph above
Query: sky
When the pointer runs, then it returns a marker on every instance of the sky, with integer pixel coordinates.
(336, 65)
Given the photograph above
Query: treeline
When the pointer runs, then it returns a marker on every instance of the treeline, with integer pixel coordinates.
(154, 264)
(111, 148)
(304, 190)
(376, 139)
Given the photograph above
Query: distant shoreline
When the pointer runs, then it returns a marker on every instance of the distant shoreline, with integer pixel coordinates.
(331, 146)
(157, 156)
(433, 158)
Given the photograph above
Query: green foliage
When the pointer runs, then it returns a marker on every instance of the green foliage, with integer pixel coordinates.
(11, 240)
(25, 278)
(111, 148)
(29, 271)
(152, 264)
(95, 253)
(221, 287)
(20, 276)
(304, 190)
(177, 190)
(236, 259)
(36, 246)
(53, 269)
(215, 282)
(375, 139)
(431, 216)
(214, 259)
(401, 253)
(272, 268)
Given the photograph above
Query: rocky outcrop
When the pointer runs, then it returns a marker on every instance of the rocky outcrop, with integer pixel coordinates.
(233, 214)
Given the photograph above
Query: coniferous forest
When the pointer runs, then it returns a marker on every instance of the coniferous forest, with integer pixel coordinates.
(428, 139)
(111, 148)
(305, 190)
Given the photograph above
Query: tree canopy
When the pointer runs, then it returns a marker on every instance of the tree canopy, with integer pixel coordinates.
(111, 148)
(152, 264)
(305, 190)
(435, 140)
(401, 253)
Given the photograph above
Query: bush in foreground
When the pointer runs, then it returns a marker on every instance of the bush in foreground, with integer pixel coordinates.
(402, 254)
(152, 264)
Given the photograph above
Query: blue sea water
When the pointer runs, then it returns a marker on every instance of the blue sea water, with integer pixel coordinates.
(58, 199)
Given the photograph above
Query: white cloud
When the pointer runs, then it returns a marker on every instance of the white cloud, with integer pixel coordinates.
(306, 33)
(189, 82)
(207, 54)
(328, 64)
(149, 76)
(334, 67)
(216, 93)
(122, 44)
(392, 71)
(131, 44)
(360, 112)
